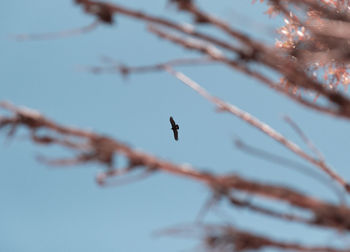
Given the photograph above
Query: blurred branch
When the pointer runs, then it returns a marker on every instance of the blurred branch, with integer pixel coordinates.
(252, 150)
(251, 50)
(125, 70)
(302, 135)
(57, 35)
(102, 149)
(229, 238)
(245, 116)
(321, 39)
(239, 65)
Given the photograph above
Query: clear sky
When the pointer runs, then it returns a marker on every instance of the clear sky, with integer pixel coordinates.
(63, 209)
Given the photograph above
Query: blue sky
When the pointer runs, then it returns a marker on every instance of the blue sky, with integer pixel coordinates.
(63, 209)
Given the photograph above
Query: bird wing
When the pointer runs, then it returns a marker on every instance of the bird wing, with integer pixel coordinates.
(176, 136)
(172, 122)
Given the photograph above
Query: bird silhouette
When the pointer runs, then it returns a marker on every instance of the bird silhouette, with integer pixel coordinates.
(174, 128)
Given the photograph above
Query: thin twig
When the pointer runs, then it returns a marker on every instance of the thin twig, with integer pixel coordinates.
(289, 163)
(125, 70)
(245, 116)
(57, 35)
(103, 148)
(302, 135)
(217, 55)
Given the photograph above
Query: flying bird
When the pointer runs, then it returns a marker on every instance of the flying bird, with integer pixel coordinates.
(174, 128)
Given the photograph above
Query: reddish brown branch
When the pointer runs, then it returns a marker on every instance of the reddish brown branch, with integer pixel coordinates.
(252, 150)
(266, 211)
(217, 55)
(101, 149)
(256, 51)
(229, 238)
(266, 129)
(232, 239)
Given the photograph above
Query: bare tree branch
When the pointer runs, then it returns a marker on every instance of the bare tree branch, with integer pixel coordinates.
(226, 107)
(57, 35)
(101, 149)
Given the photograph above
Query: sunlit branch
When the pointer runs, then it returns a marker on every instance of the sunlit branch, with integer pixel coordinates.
(217, 55)
(101, 149)
(245, 116)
